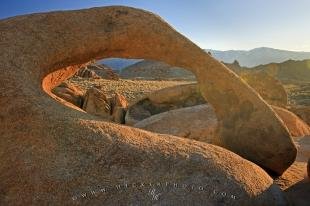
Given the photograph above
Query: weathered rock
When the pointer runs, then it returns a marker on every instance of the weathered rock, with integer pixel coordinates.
(87, 73)
(103, 71)
(164, 100)
(295, 125)
(302, 111)
(53, 155)
(119, 107)
(200, 123)
(267, 86)
(294, 174)
(197, 122)
(303, 148)
(69, 93)
(188, 95)
(97, 103)
(294, 184)
(308, 168)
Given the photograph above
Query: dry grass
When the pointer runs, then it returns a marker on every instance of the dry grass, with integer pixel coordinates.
(131, 89)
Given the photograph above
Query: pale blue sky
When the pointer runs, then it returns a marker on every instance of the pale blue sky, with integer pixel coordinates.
(216, 24)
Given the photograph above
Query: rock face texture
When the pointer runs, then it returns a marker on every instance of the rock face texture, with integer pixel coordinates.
(295, 184)
(295, 125)
(267, 86)
(303, 146)
(197, 122)
(55, 155)
(200, 123)
(149, 69)
(164, 100)
(97, 103)
(103, 71)
(69, 93)
(119, 107)
(308, 168)
(87, 73)
(303, 112)
(188, 95)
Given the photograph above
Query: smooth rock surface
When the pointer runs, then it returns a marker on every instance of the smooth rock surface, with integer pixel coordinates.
(267, 86)
(296, 126)
(177, 97)
(51, 154)
(164, 100)
(302, 111)
(197, 122)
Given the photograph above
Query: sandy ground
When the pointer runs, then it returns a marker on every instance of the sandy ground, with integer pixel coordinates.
(131, 89)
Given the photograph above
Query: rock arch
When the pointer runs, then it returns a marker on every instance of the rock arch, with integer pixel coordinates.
(49, 151)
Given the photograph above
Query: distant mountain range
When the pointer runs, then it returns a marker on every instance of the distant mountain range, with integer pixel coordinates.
(289, 71)
(251, 58)
(258, 56)
(118, 63)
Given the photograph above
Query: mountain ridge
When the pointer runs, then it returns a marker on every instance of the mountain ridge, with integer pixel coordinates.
(258, 56)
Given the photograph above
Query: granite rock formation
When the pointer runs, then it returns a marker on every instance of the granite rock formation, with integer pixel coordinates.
(103, 71)
(267, 86)
(197, 122)
(296, 126)
(97, 103)
(87, 73)
(302, 111)
(163, 100)
(69, 93)
(55, 155)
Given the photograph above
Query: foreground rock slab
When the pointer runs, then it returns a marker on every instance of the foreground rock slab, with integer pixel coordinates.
(197, 122)
(200, 123)
(55, 155)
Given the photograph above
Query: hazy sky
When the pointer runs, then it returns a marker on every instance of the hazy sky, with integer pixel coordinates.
(216, 24)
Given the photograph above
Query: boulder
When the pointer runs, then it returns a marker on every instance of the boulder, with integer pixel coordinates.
(200, 123)
(188, 95)
(302, 111)
(267, 86)
(97, 103)
(119, 106)
(303, 148)
(103, 71)
(85, 72)
(69, 93)
(55, 155)
(294, 174)
(296, 126)
(164, 100)
(296, 188)
(197, 122)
